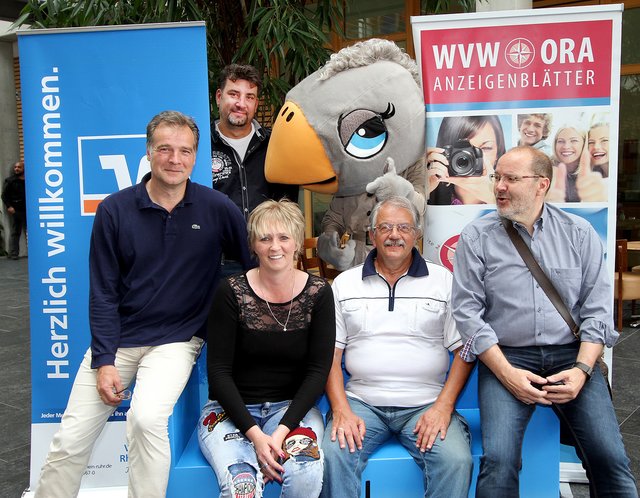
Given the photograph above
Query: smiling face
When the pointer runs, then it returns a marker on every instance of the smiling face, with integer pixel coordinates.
(568, 147)
(531, 130)
(599, 145)
(237, 102)
(394, 248)
(172, 155)
(275, 249)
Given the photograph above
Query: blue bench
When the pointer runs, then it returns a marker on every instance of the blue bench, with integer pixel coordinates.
(391, 471)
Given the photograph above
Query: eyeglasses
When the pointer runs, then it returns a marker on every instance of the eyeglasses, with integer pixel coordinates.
(124, 394)
(387, 228)
(511, 179)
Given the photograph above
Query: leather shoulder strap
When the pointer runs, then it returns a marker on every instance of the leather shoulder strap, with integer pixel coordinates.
(540, 276)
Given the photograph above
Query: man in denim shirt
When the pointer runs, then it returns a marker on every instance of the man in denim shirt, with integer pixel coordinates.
(528, 353)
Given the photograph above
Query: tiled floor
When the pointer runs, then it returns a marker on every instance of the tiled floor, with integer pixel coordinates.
(15, 378)
(15, 397)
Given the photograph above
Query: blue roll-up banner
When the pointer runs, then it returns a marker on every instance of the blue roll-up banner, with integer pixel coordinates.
(497, 75)
(87, 96)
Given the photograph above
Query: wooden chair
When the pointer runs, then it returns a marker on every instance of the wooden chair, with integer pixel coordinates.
(308, 259)
(626, 283)
(328, 271)
(311, 262)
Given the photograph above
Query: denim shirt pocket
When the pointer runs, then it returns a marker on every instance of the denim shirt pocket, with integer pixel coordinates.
(567, 282)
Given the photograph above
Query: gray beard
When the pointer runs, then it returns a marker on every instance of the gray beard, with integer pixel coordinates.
(512, 214)
(502, 213)
(237, 122)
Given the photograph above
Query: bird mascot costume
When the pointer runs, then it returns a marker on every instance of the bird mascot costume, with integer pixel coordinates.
(355, 129)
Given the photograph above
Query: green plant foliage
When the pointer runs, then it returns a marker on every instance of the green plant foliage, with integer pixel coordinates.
(447, 6)
(75, 13)
(285, 39)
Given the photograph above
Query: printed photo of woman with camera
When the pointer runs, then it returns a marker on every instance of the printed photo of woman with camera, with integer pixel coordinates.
(466, 151)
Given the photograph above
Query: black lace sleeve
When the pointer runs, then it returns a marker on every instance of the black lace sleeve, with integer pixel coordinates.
(252, 359)
(322, 337)
(221, 344)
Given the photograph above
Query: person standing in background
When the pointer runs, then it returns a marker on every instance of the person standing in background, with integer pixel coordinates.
(239, 146)
(14, 199)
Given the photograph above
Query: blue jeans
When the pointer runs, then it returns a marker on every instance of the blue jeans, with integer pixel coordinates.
(447, 466)
(504, 419)
(234, 460)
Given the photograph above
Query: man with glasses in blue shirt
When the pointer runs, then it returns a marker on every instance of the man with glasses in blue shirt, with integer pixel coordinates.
(394, 326)
(528, 353)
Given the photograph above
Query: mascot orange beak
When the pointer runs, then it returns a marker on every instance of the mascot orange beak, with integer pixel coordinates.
(296, 156)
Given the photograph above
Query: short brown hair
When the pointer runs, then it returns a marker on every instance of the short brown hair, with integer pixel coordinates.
(175, 119)
(540, 163)
(235, 72)
(546, 119)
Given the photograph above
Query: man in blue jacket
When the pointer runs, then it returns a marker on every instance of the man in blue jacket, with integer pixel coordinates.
(154, 263)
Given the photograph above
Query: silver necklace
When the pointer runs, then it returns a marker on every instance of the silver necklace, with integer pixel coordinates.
(283, 325)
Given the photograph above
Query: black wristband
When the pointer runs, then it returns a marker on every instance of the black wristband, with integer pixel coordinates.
(588, 371)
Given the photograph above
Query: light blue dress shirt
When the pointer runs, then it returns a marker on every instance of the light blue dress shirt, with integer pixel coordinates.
(496, 300)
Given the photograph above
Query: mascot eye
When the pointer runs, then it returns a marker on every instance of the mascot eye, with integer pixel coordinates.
(363, 133)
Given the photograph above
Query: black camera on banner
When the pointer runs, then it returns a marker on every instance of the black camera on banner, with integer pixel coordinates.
(464, 159)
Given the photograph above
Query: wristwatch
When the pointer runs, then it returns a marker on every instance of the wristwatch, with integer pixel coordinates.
(585, 368)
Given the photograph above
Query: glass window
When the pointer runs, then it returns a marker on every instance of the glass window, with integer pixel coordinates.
(631, 36)
(629, 159)
(320, 205)
(369, 18)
